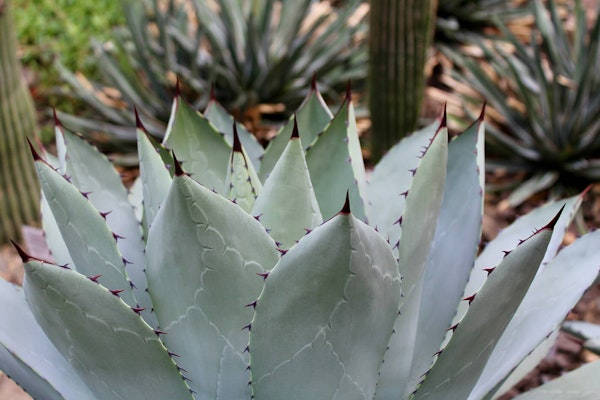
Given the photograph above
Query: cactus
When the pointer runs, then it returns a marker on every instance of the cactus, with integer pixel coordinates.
(18, 186)
(174, 290)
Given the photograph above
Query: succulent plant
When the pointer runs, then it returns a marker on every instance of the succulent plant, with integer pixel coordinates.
(174, 290)
(546, 99)
(249, 52)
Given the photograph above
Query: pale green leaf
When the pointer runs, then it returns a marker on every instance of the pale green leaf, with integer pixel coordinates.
(91, 172)
(391, 177)
(89, 240)
(454, 246)
(201, 149)
(207, 251)
(112, 349)
(325, 315)
(555, 290)
(223, 122)
(461, 362)
(30, 359)
(421, 211)
(312, 117)
(580, 384)
(336, 165)
(242, 181)
(287, 205)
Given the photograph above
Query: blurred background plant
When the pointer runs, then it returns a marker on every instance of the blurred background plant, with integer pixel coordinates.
(544, 98)
(253, 55)
(47, 29)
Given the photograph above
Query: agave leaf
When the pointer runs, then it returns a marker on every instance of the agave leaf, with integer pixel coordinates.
(580, 384)
(312, 117)
(391, 177)
(287, 205)
(242, 181)
(555, 291)
(92, 173)
(461, 362)
(336, 165)
(525, 367)
(99, 333)
(423, 202)
(90, 242)
(208, 251)
(223, 121)
(537, 183)
(582, 329)
(202, 150)
(155, 177)
(337, 290)
(27, 355)
(509, 238)
(56, 244)
(454, 246)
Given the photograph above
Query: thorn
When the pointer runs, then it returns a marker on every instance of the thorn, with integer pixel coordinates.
(86, 194)
(482, 113)
(257, 217)
(126, 261)
(34, 153)
(212, 92)
(104, 214)
(346, 208)
(138, 121)
(171, 354)
(253, 304)
(24, 256)
(398, 221)
(57, 122)
(295, 134)
(413, 171)
(470, 298)
(349, 91)
(405, 194)
(264, 275)
(181, 369)
(444, 121)
(94, 278)
(282, 251)
(138, 310)
(307, 230)
(249, 327)
(178, 170)
(117, 237)
(313, 84)
(489, 270)
(237, 146)
(158, 332)
(437, 353)
(247, 350)
(177, 87)
(116, 292)
(550, 225)
(452, 328)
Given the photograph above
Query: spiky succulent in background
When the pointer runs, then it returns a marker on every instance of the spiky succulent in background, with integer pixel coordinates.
(249, 52)
(174, 290)
(462, 22)
(547, 101)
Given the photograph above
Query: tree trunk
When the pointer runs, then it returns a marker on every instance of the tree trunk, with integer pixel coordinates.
(400, 34)
(19, 193)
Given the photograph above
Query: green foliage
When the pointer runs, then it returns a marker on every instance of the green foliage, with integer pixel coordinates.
(64, 28)
(552, 130)
(246, 53)
(184, 293)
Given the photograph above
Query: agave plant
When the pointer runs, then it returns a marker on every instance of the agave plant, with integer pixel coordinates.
(248, 52)
(551, 126)
(206, 281)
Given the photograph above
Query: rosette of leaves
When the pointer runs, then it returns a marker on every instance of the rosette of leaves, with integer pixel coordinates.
(546, 94)
(248, 52)
(221, 277)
